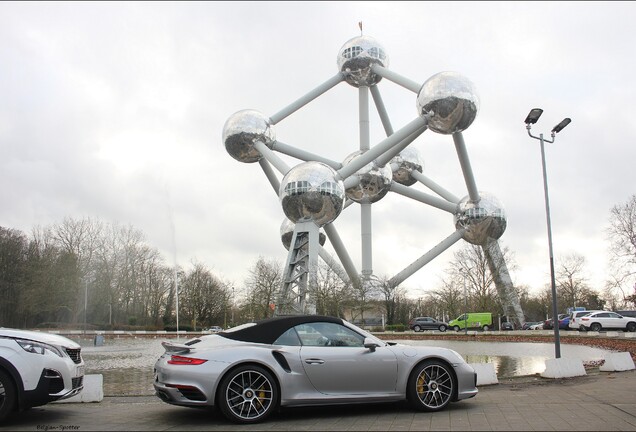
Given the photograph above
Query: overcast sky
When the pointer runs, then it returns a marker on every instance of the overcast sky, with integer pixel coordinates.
(115, 111)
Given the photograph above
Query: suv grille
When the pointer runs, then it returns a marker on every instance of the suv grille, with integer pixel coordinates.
(74, 354)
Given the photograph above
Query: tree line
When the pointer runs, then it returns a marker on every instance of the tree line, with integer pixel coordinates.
(85, 272)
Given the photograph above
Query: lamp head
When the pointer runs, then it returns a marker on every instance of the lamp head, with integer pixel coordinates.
(560, 126)
(533, 116)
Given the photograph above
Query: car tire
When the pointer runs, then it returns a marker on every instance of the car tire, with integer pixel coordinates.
(456, 328)
(8, 395)
(248, 394)
(442, 328)
(416, 328)
(595, 327)
(432, 386)
(631, 327)
(486, 328)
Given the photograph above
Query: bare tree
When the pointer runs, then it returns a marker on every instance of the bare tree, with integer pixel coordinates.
(393, 297)
(262, 285)
(204, 296)
(13, 247)
(331, 293)
(449, 299)
(570, 279)
(622, 237)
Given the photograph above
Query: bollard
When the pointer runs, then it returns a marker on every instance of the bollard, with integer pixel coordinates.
(99, 340)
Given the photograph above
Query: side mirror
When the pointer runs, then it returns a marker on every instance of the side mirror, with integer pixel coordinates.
(370, 344)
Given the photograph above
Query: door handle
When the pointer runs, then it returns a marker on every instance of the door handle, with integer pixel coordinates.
(314, 361)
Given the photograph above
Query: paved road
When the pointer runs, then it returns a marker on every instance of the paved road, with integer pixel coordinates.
(599, 401)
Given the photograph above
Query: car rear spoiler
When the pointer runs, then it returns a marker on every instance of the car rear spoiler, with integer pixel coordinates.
(176, 347)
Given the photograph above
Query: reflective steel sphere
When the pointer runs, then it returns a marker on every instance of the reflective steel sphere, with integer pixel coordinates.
(486, 220)
(407, 161)
(453, 100)
(356, 57)
(242, 130)
(374, 181)
(312, 191)
(287, 234)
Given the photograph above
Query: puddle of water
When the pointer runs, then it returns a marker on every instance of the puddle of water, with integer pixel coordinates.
(127, 363)
(512, 359)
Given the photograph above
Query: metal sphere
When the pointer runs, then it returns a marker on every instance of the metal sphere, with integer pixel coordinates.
(407, 161)
(486, 220)
(312, 191)
(287, 234)
(453, 101)
(374, 181)
(356, 57)
(242, 130)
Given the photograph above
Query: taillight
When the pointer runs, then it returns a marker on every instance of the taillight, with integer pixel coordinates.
(585, 319)
(181, 360)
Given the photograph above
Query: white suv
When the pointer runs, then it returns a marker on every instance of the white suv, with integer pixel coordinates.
(37, 368)
(605, 320)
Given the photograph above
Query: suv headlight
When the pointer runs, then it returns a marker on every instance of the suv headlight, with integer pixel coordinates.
(38, 347)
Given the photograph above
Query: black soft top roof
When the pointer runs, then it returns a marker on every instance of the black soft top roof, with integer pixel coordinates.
(268, 330)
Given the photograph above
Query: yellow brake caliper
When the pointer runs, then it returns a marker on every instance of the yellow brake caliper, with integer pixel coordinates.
(421, 383)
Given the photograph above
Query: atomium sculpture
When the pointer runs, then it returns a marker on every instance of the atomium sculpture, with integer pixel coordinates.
(315, 192)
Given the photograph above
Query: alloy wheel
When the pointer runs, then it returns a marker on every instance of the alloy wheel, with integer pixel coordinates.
(249, 395)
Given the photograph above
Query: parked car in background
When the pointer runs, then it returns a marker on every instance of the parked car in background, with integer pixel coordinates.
(476, 320)
(526, 325)
(37, 368)
(627, 313)
(606, 320)
(506, 325)
(537, 326)
(427, 323)
(548, 325)
(249, 371)
(214, 329)
(564, 323)
(575, 318)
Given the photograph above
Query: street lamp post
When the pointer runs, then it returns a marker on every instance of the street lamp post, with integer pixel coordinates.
(465, 304)
(85, 302)
(531, 119)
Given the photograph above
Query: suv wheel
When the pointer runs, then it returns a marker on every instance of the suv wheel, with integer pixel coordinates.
(416, 328)
(595, 327)
(7, 395)
(456, 328)
(442, 328)
(631, 326)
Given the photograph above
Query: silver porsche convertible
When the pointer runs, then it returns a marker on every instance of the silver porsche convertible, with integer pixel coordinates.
(249, 371)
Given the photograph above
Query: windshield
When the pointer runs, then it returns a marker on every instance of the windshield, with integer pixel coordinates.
(365, 333)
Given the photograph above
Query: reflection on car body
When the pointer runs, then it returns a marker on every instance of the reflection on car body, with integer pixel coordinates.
(251, 370)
